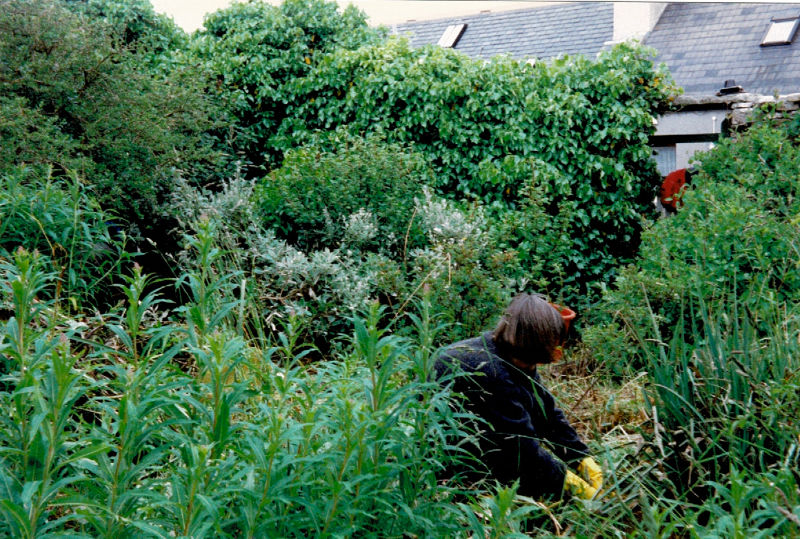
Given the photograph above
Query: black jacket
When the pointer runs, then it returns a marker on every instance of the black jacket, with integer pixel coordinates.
(518, 412)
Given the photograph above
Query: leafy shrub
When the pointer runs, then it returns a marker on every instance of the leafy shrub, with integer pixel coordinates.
(109, 111)
(134, 22)
(323, 288)
(709, 311)
(481, 124)
(538, 227)
(360, 192)
(589, 119)
(32, 137)
(258, 52)
(735, 235)
(460, 267)
(763, 160)
(60, 219)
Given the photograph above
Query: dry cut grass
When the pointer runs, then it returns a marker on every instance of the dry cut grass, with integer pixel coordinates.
(601, 408)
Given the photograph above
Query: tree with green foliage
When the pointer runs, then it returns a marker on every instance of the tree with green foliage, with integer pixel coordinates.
(294, 73)
(257, 52)
(84, 97)
(134, 22)
(574, 133)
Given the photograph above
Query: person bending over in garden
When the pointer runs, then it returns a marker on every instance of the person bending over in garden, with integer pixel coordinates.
(496, 374)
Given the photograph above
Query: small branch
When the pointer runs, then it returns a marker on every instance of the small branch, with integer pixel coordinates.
(408, 231)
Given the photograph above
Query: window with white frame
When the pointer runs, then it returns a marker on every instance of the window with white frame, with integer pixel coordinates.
(451, 35)
(780, 32)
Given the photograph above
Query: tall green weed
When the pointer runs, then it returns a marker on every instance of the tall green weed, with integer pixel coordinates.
(726, 395)
(100, 90)
(60, 218)
(146, 422)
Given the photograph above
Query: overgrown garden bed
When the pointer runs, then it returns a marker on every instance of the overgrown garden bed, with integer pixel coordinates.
(227, 261)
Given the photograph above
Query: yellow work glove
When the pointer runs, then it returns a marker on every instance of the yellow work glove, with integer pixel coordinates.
(591, 472)
(578, 487)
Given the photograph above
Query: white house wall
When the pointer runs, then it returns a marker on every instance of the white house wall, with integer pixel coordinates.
(705, 122)
(686, 150)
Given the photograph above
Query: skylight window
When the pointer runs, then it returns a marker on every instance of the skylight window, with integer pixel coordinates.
(781, 32)
(451, 35)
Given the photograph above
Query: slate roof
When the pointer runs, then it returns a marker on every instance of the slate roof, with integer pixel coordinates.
(706, 44)
(542, 32)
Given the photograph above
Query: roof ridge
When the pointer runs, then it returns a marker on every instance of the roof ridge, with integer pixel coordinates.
(548, 6)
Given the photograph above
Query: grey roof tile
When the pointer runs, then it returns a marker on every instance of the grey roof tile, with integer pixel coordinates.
(541, 32)
(705, 44)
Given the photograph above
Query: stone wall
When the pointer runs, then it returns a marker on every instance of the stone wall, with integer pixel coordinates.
(741, 105)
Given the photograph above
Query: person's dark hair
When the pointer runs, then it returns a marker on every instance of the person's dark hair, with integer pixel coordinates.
(529, 329)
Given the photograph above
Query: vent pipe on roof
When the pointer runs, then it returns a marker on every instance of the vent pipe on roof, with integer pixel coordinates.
(730, 87)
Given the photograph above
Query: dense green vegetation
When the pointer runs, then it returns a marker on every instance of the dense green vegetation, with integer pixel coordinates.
(710, 312)
(106, 103)
(325, 207)
(566, 139)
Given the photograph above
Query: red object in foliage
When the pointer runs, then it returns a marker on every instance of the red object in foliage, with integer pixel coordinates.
(567, 314)
(672, 189)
